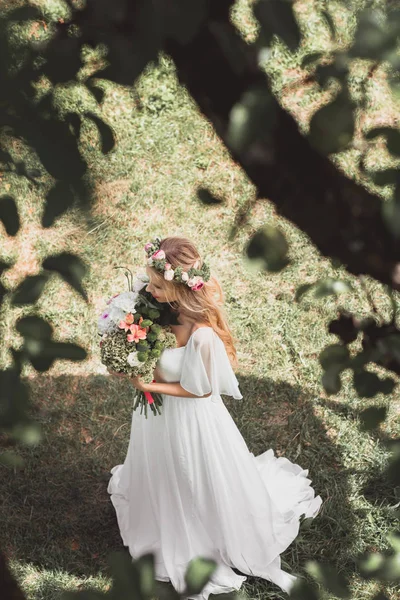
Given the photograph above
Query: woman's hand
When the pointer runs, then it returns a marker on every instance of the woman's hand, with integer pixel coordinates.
(136, 381)
(139, 384)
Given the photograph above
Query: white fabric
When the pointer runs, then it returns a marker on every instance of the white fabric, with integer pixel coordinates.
(206, 367)
(190, 487)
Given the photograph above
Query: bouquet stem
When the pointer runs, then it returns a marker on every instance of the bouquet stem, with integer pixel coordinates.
(145, 399)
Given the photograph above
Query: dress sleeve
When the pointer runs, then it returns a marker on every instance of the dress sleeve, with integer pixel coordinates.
(206, 368)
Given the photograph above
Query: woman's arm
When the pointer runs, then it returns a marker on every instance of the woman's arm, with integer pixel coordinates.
(170, 389)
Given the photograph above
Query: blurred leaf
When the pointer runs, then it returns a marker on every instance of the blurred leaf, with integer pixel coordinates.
(63, 58)
(309, 59)
(198, 574)
(387, 386)
(146, 567)
(391, 135)
(9, 215)
(277, 17)
(95, 90)
(302, 590)
(252, 119)
(183, 19)
(74, 121)
(371, 417)
(331, 381)
(380, 596)
(3, 292)
(374, 35)
(55, 144)
(303, 289)
(34, 327)
(330, 286)
(332, 126)
(387, 177)
(25, 13)
(105, 131)
(29, 289)
(10, 459)
(4, 265)
(369, 564)
(15, 403)
(269, 245)
(391, 216)
(334, 355)
(207, 198)
(329, 21)
(71, 268)
(29, 434)
(126, 580)
(394, 540)
(367, 384)
(338, 69)
(65, 350)
(344, 328)
(41, 363)
(58, 200)
(22, 170)
(330, 578)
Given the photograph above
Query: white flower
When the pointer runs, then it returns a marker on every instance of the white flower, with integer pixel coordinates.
(126, 301)
(116, 314)
(103, 323)
(150, 262)
(194, 281)
(140, 282)
(185, 276)
(169, 275)
(133, 360)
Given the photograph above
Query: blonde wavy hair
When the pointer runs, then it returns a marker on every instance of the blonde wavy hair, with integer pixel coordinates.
(204, 305)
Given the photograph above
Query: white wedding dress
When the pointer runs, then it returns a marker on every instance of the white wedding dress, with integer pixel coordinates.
(190, 487)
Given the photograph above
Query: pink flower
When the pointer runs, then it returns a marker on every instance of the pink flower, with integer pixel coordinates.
(137, 333)
(196, 283)
(167, 266)
(148, 246)
(104, 315)
(127, 323)
(160, 254)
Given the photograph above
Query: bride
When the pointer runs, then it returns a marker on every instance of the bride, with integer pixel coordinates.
(189, 486)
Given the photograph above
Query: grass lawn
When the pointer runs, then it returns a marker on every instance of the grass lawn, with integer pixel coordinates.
(58, 524)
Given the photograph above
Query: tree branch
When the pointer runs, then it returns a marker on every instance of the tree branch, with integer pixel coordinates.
(341, 217)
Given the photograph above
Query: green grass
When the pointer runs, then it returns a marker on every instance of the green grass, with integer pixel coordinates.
(58, 524)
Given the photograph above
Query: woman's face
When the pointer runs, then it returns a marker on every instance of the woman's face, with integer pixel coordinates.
(155, 289)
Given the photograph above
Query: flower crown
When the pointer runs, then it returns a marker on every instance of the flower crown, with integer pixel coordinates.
(193, 278)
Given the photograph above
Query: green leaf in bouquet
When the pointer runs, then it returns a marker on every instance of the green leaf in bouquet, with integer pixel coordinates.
(155, 328)
(159, 345)
(142, 346)
(146, 323)
(142, 356)
(154, 314)
(152, 336)
(155, 353)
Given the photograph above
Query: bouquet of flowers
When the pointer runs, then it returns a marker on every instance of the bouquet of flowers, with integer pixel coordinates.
(134, 330)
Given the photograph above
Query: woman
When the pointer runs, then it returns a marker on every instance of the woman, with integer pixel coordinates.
(189, 485)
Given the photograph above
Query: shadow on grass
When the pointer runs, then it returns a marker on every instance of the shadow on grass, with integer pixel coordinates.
(57, 513)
